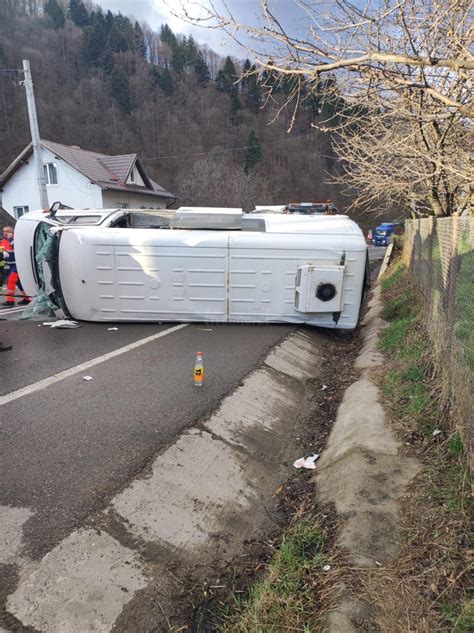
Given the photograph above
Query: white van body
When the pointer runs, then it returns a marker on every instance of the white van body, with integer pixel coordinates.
(278, 269)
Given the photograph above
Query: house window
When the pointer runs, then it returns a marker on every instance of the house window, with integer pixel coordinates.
(19, 211)
(50, 174)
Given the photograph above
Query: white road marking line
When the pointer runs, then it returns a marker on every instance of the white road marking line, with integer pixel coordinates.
(47, 382)
(11, 310)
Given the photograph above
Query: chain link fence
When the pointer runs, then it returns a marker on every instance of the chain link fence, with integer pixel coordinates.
(440, 256)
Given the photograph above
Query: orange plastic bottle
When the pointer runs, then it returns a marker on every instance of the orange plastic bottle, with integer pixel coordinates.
(199, 370)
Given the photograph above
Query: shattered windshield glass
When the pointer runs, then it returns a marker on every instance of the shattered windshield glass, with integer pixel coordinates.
(46, 302)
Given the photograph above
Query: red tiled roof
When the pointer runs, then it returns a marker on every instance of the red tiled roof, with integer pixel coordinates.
(6, 219)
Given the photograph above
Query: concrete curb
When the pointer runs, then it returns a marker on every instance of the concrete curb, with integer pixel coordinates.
(362, 471)
(201, 499)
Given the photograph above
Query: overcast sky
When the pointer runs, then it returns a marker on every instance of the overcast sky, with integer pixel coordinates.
(157, 12)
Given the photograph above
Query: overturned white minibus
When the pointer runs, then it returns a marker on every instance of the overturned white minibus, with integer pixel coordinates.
(206, 265)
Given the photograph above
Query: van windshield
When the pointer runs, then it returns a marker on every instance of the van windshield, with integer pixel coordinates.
(48, 299)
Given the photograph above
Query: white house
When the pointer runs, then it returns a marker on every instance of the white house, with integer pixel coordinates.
(80, 179)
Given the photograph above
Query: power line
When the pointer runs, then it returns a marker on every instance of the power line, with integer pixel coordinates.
(230, 149)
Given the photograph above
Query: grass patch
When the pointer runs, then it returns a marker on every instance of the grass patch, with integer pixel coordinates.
(464, 326)
(286, 597)
(401, 311)
(460, 623)
(397, 273)
(394, 337)
(432, 570)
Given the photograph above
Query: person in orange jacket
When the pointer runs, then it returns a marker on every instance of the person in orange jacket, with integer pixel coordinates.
(13, 280)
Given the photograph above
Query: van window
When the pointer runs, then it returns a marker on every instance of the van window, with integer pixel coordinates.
(79, 219)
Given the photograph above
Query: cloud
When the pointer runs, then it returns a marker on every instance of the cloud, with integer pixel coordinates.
(156, 13)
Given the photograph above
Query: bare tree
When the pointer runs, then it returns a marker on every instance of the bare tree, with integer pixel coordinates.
(408, 158)
(214, 182)
(404, 90)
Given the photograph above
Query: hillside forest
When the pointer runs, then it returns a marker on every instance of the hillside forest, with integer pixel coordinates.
(204, 125)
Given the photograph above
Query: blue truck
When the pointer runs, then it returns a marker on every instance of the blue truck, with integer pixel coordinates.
(383, 234)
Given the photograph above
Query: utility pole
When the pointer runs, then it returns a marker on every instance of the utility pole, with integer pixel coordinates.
(35, 137)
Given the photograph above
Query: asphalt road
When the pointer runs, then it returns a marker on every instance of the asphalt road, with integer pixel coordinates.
(376, 252)
(69, 446)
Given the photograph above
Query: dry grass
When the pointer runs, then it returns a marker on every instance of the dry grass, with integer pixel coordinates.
(426, 587)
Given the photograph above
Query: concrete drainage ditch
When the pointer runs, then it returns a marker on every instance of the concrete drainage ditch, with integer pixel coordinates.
(198, 504)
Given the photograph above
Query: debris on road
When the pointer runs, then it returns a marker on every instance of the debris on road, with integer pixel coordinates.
(112, 329)
(324, 387)
(63, 324)
(307, 462)
(87, 378)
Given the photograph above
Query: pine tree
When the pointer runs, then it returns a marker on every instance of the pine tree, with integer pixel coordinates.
(251, 91)
(230, 72)
(244, 80)
(120, 88)
(253, 152)
(78, 13)
(201, 69)
(139, 44)
(235, 104)
(109, 20)
(270, 79)
(163, 80)
(167, 36)
(190, 51)
(221, 82)
(121, 35)
(254, 97)
(107, 61)
(154, 74)
(166, 82)
(226, 82)
(95, 38)
(55, 12)
(178, 57)
(288, 84)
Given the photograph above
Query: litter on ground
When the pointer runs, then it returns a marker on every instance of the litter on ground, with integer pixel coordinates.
(86, 377)
(307, 462)
(63, 324)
